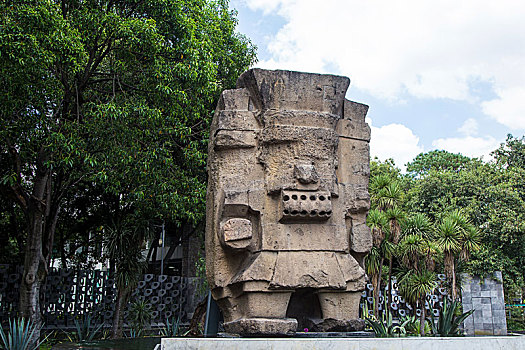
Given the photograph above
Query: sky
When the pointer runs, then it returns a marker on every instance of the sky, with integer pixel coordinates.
(436, 74)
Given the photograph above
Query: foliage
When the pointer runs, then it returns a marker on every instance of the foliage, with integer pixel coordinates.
(413, 326)
(86, 330)
(19, 336)
(385, 326)
(449, 320)
(437, 160)
(172, 328)
(106, 107)
(515, 318)
(491, 196)
(200, 272)
(139, 315)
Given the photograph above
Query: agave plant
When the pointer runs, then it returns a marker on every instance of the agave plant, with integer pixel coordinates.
(19, 336)
(86, 330)
(412, 325)
(449, 320)
(172, 328)
(385, 327)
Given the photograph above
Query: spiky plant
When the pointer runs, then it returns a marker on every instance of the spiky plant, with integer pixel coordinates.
(449, 320)
(415, 286)
(19, 336)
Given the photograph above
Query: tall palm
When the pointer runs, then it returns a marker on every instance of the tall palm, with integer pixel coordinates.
(448, 234)
(387, 196)
(377, 222)
(394, 216)
(416, 249)
(124, 246)
(457, 237)
(415, 286)
(471, 241)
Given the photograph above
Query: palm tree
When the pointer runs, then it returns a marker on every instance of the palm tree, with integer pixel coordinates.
(449, 240)
(394, 216)
(417, 253)
(457, 238)
(415, 286)
(377, 222)
(124, 247)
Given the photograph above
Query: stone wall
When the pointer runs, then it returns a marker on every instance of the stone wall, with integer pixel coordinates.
(485, 296)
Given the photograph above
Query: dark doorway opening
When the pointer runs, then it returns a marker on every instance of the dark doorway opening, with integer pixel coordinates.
(303, 306)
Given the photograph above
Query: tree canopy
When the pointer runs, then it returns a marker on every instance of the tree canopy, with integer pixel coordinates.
(108, 99)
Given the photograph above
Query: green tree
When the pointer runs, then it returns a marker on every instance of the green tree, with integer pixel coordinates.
(417, 253)
(387, 197)
(437, 160)
(113, 94)
(457, 238)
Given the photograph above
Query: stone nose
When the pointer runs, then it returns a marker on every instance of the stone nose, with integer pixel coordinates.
(306, 173)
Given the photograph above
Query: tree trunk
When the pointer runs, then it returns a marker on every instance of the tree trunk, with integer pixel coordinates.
(34, 264)
(118, 316)
(454, 292)
(450, 273)
(375, 292)
(377, 289)
(389, 300)
(116, 331)
(422, 318)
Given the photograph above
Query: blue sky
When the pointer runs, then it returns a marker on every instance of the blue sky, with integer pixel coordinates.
(436, 74)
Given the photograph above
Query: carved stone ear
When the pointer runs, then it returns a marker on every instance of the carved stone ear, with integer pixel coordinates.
(236, 233)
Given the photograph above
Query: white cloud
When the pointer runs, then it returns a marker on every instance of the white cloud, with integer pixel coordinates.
(509, 108)
(394, 141)
(427, 49)
(469, 127)
(469, 145)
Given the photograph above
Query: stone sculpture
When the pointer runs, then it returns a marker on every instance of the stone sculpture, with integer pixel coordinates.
(287, 203)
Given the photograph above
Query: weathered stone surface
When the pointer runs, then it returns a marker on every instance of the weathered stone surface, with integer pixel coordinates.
(261, 326)
(296, 91)
(287, 201)
(234, 139)
(333, 325)
(355, 111)
(306, 269)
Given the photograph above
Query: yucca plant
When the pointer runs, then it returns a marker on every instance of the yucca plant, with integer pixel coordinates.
(19, 335)
(449, 320)
(139, 314)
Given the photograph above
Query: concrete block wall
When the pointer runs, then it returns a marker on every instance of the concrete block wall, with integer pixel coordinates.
(487, 299)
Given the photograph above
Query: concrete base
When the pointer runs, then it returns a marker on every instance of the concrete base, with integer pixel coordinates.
(430, 343)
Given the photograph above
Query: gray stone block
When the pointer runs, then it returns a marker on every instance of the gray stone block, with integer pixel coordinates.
(488, 327)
